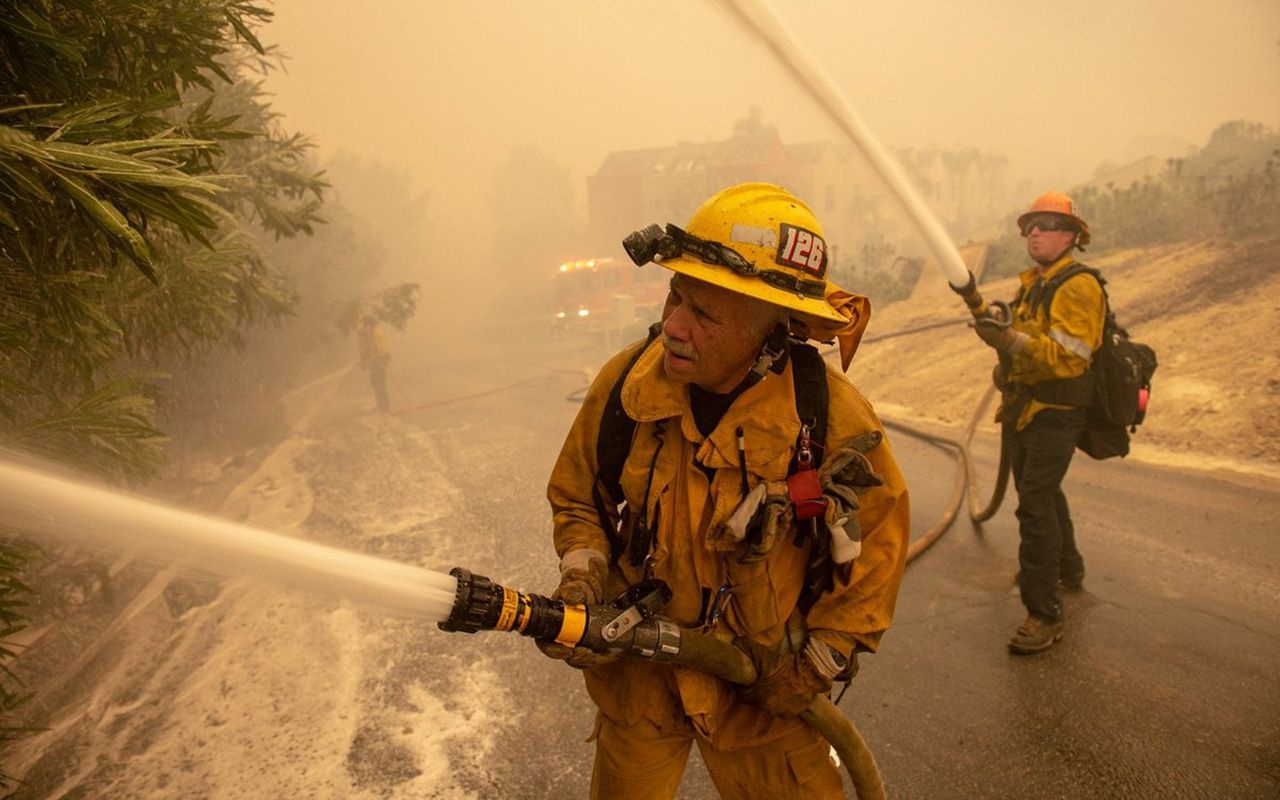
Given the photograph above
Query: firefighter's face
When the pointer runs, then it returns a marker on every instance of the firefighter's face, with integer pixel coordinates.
(712, 336)
(1045, 246)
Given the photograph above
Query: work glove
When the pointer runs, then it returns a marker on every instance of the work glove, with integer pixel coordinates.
(786, 684)
(844, 475)
(771, 521)
(582, 576)
(760, 519)
(998, 334)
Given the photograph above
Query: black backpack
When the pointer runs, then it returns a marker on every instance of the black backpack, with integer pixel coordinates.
(1115, 390)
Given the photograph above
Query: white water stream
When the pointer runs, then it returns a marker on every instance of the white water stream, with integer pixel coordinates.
(760, 18)
(47, 506)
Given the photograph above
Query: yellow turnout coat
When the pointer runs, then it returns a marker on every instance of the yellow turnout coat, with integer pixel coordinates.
(685, 506)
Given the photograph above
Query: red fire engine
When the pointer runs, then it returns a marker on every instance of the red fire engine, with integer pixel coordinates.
(604, 295)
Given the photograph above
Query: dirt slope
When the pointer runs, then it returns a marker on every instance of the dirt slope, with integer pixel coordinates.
(1211, 311)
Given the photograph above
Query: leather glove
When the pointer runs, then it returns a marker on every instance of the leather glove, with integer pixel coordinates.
(786, 683)
(763, 516)
(999, 335)
(844, 475)
(582, 576)
(771, 521)
(849, 467)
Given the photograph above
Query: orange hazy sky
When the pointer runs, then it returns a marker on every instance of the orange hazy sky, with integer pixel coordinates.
(443, 91)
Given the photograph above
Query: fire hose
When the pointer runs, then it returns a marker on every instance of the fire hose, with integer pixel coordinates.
(634, 629)
(968, 472)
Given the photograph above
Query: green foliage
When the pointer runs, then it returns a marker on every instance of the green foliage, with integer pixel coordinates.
(395, 306)
(13, 593)
(136, 157)
(878, 271)
(139, 164)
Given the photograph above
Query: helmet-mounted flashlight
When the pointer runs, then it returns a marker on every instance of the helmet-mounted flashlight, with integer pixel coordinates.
(655, 243)
(650, 242)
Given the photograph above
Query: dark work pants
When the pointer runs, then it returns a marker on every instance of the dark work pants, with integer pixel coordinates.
(378, 377)
(1039, 458)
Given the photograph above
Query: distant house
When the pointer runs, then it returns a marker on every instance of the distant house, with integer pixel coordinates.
(635, 188)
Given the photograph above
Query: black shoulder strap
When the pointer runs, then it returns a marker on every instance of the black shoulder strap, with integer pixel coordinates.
(809, 373)
(1045, 297)
(1078, 391)
(613, 441)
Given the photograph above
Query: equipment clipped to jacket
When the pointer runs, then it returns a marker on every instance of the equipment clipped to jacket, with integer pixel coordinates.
(815, 498)
(1117, 386)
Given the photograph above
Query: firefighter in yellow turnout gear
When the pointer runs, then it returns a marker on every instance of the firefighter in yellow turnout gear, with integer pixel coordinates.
(708, 510)
(1046, 346)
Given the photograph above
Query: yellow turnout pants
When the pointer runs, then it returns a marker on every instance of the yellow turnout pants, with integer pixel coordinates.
(642, 762)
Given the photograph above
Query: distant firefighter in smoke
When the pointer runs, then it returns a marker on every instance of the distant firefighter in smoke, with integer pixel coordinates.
(723, 458)
(375, 358)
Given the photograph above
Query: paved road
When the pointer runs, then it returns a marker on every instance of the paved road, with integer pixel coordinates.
(1165, 685)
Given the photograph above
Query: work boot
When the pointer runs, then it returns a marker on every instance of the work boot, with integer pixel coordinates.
(1072, 583)
(1034, 635)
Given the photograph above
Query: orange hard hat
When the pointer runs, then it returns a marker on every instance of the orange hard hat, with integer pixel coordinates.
(1058, 203)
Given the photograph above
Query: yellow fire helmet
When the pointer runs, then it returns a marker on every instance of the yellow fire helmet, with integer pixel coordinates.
(1059, 203)
(755, 239)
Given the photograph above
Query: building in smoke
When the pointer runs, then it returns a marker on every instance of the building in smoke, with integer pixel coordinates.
(634, 188)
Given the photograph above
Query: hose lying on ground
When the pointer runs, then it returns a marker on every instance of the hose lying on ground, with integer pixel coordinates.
(967, 475)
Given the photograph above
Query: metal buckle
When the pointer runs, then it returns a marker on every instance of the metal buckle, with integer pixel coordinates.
(640, 602)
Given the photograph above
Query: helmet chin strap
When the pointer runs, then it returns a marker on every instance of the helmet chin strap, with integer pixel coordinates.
(772, 358)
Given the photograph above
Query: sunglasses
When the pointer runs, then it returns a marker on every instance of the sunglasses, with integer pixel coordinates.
(1047, 223)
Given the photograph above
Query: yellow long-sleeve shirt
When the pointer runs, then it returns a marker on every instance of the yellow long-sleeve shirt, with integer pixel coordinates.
(1060, 340)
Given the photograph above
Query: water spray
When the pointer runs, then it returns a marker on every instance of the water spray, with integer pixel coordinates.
(762, 21)
(48, 506)
(43, 505)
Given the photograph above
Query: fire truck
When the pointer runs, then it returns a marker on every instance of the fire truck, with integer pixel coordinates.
(607, 296)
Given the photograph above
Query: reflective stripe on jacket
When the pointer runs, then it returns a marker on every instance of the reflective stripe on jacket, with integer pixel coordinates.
(684, 505)
(1062, 339)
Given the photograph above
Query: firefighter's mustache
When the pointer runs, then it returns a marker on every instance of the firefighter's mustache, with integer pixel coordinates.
(682, 350)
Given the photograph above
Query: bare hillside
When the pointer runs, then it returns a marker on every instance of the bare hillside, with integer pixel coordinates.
(1211, 310)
